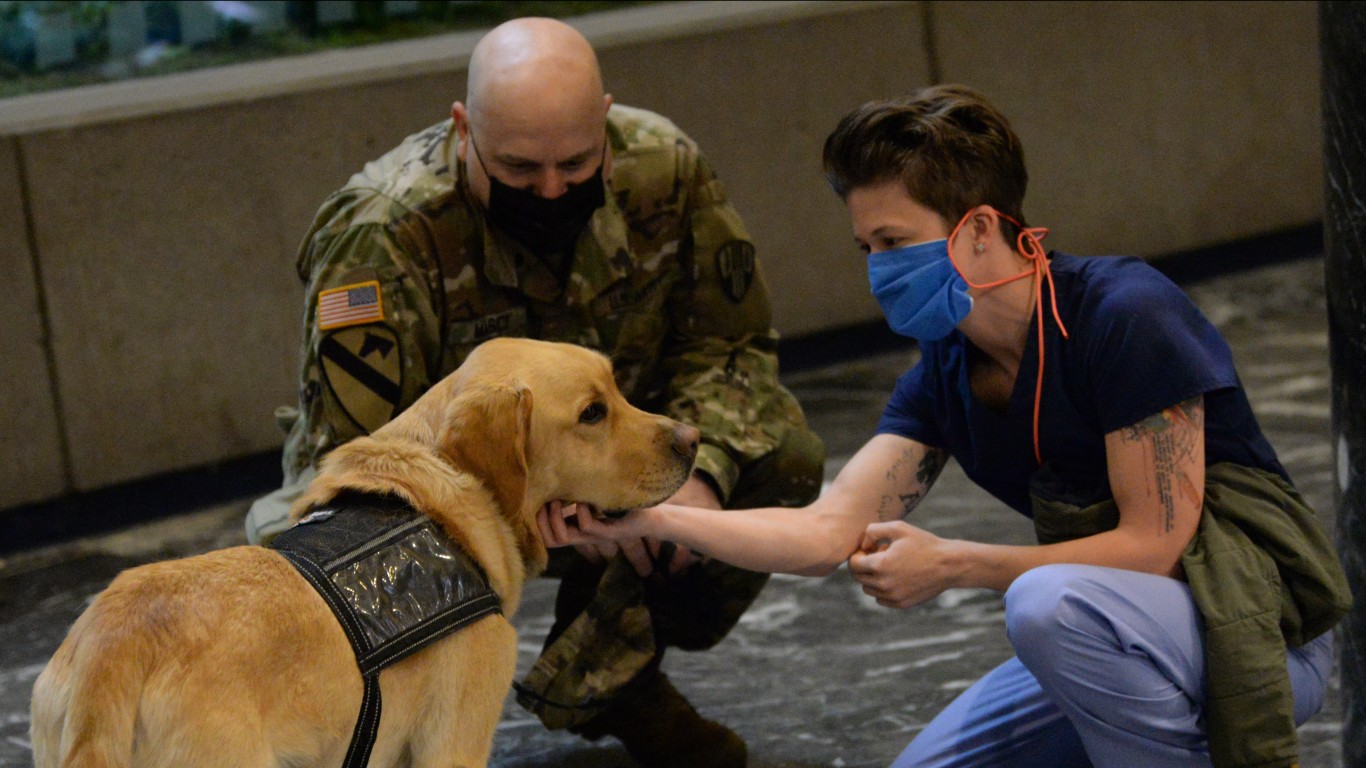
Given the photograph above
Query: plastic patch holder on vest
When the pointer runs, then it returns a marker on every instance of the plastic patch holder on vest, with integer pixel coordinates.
(395, 582)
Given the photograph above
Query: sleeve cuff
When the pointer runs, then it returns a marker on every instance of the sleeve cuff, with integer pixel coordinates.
(719, 469)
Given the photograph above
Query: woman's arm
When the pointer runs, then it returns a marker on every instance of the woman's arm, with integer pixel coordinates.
(883, 481)
(1157, 474)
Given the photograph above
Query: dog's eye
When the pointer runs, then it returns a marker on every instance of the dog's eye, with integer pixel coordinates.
(593, 414)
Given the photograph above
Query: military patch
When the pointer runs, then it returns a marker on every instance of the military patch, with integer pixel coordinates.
(350, 305)
(735, 264)
(363, 368)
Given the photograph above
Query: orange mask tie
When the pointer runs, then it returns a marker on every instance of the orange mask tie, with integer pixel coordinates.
(1028, 246)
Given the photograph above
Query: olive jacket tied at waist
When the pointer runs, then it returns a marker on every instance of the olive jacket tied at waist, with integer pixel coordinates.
(1265, 577)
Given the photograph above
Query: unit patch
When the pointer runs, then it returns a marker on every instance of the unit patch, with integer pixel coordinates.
(735, 264)
(350, 305)
(363, 367)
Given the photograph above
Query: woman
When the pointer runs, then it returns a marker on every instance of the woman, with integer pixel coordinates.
(1178, 608)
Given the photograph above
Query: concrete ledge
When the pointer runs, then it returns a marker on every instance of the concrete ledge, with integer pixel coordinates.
(141, 97)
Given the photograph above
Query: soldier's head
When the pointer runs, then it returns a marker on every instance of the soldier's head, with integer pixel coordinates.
(532, 128)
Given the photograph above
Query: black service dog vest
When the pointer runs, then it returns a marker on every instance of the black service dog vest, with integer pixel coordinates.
(395, 582)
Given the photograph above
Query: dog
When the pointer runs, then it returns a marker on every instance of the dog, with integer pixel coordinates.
(232, 658)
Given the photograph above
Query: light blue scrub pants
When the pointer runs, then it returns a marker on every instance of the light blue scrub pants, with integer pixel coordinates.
(1109, 673)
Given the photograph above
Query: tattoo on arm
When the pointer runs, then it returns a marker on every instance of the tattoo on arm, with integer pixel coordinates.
(908, 490)
(1172, 437)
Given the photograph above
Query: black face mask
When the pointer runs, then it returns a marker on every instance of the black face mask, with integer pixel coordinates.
(543, 225)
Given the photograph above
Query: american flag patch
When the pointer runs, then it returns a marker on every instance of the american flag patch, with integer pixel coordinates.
(350, 305)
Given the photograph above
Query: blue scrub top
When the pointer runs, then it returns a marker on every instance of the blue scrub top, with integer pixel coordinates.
(1137, 345)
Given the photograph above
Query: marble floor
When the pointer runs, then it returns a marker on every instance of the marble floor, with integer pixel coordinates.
(816, 674)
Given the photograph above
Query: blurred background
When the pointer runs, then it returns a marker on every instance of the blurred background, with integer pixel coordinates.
(51, 44)
(160, 161)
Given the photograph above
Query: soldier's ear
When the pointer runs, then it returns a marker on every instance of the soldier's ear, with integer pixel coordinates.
(607, 151)
(460, 117)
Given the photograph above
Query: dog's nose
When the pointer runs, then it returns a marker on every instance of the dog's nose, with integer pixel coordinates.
(686, 439)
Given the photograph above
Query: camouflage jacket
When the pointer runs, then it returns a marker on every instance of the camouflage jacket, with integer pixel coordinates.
(404, 276)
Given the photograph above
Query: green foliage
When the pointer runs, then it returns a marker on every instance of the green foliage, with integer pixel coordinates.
(237, 41)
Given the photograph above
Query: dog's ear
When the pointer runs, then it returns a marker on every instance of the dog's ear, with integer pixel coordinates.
(485, 433)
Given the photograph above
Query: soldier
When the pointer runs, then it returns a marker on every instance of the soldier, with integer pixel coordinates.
(542, 209)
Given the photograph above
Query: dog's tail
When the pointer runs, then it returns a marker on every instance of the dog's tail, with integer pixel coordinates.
(85, 703)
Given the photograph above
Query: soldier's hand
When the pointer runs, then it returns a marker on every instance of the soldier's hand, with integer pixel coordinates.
(696, 492)
(637, 551)
(650, 555)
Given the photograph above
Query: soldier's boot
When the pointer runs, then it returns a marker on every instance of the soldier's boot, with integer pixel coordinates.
(656, 724)
(660, 729)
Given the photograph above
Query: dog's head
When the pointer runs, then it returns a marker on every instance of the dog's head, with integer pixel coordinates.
(582, 442)
(540, 421)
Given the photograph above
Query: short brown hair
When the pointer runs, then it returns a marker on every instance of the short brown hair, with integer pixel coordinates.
(951, 148)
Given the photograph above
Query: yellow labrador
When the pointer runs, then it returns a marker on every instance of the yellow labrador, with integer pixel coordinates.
(232, 658)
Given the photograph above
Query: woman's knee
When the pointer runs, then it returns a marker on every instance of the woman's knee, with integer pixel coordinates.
(1049, 607)
(1035, 600)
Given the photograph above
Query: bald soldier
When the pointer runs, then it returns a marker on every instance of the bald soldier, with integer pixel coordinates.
(541, 209)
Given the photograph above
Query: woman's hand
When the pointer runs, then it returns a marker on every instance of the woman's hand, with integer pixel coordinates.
(574, 525)
(597, 540)
(901, 565)
(556, 531)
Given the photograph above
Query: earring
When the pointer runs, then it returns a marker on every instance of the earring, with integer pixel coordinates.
(979, 247)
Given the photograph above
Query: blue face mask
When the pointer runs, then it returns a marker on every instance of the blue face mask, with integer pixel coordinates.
(919, 290)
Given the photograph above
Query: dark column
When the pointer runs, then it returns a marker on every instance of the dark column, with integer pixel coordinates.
(1342, 33)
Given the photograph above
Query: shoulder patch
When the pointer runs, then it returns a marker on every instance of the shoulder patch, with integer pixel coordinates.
(350, 305)
(363, 369)
(735, 265)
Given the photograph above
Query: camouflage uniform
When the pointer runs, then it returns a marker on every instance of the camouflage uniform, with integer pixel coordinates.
(663, 280)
